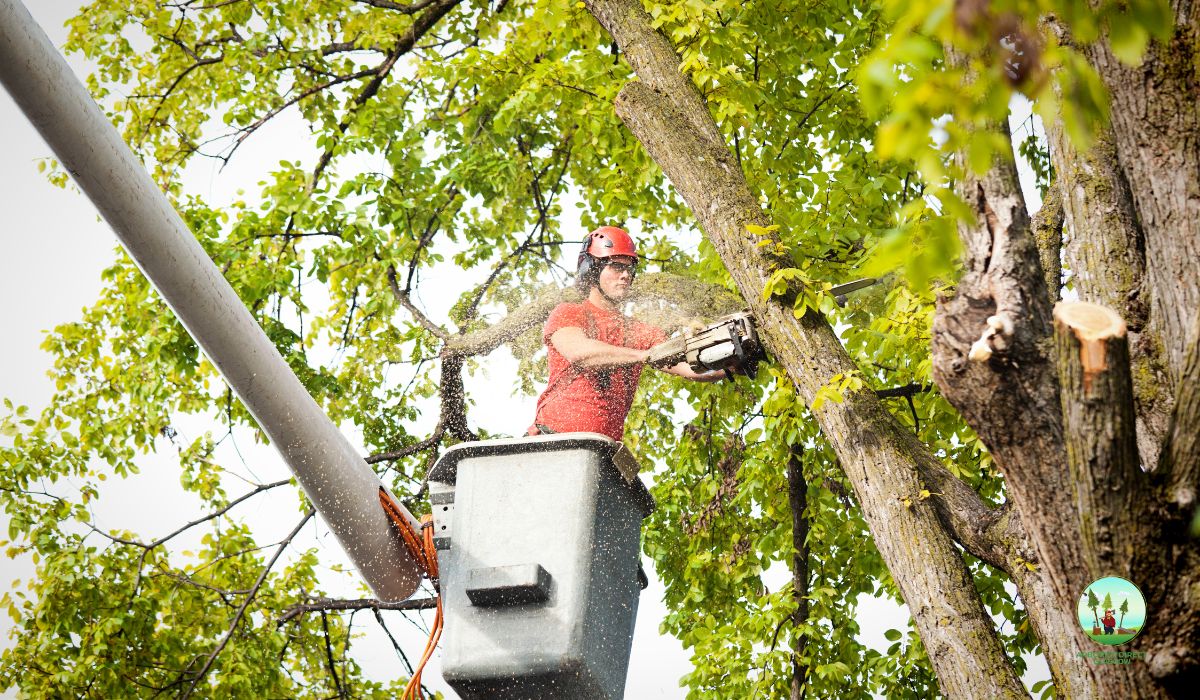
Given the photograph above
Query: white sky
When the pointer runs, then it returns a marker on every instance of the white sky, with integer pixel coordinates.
(54, 249)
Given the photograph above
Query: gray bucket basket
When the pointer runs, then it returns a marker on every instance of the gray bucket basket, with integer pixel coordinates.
(538, 545)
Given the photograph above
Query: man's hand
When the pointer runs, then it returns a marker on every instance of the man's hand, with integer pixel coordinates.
(685, 370)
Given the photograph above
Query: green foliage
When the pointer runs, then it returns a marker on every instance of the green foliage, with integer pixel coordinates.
(944, 76)
(473, 154)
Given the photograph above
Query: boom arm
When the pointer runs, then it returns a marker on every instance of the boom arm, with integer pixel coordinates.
(344, 490)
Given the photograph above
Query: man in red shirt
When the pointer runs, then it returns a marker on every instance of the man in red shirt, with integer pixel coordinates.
(596, 353)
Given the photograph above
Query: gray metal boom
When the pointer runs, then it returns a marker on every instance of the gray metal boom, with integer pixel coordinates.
(343, 488)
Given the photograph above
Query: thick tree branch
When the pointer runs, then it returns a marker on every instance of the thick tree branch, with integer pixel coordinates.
(1180, 461)
(1155, 131)
(1047, 232)
(666, 113)
(1106, 255)
(992, 362)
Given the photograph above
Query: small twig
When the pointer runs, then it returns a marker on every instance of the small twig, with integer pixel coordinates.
(237, 618)
(218, 513)
(405, 9)
(337, 682)
(916, 419)
(908, 390)
(399, 652)
(418, 315)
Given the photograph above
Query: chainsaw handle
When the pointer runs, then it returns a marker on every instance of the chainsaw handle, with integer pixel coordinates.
(667, 353)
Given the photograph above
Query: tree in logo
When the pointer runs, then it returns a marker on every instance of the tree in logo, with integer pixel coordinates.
(1093, 603)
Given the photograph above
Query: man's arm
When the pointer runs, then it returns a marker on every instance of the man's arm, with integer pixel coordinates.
(578, 349)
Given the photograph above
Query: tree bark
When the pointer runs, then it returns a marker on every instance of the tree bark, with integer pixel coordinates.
(666, 113)
(1156, 131)
(1106, 253)
(1174, 562)
(1180, 469)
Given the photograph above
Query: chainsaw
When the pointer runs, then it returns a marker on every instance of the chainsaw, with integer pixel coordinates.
(730, 343)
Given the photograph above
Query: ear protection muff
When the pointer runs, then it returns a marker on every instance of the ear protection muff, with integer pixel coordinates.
(587, 271)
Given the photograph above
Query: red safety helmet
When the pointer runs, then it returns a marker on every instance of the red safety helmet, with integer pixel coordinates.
(604, 242)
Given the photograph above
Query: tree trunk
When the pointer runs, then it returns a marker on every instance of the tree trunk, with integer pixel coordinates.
(990, 361)
(667, 114)
(1172, 565)
(798, 500)
(1156, 131)
(1106, 253)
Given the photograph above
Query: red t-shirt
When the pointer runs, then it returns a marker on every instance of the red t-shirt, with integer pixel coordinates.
(597, 401)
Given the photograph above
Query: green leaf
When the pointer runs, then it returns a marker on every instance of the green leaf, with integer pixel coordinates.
(1128, 39)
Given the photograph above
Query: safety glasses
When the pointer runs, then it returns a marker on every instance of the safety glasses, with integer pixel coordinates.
(620, 267)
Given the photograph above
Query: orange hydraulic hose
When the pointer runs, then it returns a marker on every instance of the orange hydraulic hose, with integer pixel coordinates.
(421, 547)
(413, 690)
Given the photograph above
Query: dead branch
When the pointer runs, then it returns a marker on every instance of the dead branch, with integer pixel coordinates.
(332, 604)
